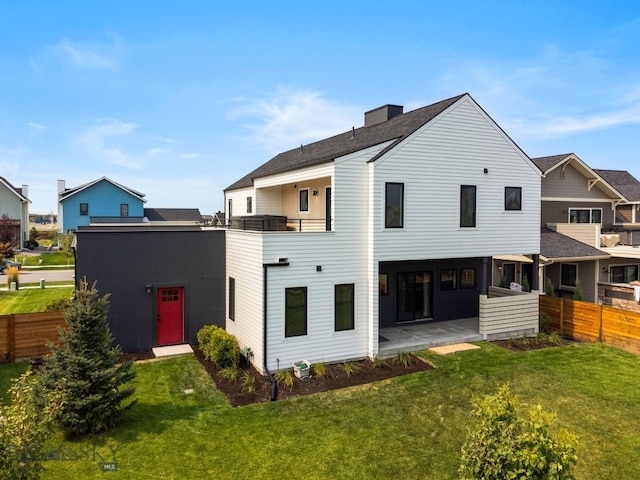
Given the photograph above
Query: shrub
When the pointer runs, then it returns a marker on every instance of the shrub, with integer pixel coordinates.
(6, 250)
(13, 275)
(544, 323)
(57, 304)
(230, 373)
(403, 358)
(248, 382)
(350, 368)
(577, 292)
(219, 346)
(378, 362)
(285, 377)
(549, 288)
(506, 444)
(320, 370)
(525, 284)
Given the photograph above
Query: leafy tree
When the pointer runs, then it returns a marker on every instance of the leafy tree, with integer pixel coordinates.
(6, 250)
(525, 284)
(507, 445)
(84, 374)
(65, 240)
(9, 230)
(577, 292)
(548, 287)
(24, 428)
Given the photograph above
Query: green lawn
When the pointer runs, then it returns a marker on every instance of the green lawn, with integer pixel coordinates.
(405, 428)
(30, 300)
(48, 259)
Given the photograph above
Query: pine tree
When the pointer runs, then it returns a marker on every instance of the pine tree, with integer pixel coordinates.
(83, 376)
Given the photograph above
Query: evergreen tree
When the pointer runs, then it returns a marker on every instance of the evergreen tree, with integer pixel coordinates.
(84, 375)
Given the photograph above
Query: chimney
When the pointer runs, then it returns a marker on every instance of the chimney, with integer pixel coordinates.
(25, 191)
(382, 114)
(61, 186)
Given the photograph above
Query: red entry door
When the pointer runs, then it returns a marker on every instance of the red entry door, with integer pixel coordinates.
(170, 316)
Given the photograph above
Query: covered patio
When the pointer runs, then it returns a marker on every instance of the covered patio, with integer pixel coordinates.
(418, 336)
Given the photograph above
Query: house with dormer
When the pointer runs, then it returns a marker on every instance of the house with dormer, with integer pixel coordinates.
(407, 219)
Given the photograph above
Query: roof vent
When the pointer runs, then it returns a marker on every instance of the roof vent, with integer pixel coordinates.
(382, 114)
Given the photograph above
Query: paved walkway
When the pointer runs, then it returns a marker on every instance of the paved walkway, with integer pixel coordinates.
(409, 338)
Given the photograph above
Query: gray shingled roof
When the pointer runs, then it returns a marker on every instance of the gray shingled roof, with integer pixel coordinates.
(18, 191)
(71, 191)
(173, 215)
(547, 163)
(623, 182)
(555, 245)
(107, 219)
(323, 151)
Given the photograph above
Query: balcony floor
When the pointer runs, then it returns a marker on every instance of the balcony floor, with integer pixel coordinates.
(409, 338)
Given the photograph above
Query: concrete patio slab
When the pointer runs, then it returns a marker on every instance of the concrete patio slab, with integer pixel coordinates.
(457, 347)
(172, 350)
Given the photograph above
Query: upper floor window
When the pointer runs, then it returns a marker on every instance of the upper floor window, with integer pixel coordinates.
(623, 273)
(585, 215)
(513, 198)
(303, 196)
(569, 275)
(394, 205)
(230, 210)
(249, 204)
(84, 209)
(124, 209)
(467, 205)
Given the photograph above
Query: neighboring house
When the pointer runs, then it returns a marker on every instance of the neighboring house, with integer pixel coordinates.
(598, 208)
(14, 203)
(102, 198)
(403, 220)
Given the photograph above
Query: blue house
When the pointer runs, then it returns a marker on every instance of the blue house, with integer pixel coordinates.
(102, 198)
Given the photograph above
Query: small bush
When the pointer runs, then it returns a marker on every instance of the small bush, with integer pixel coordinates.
(219, 346)
(544, 323)
(506, 444)
(350, 368)
(13, 275)
(230, 373)
(554, 338)
(285, 377)
(57, 304)
(378, 362)
(248, 382)
(320, 370)
(403, 358)
(549, 289)
(577, 292)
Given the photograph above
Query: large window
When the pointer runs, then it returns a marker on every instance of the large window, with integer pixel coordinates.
(394, 205)
(448, 279)
(124, 209)
(623, 273)
(295, 317)
(232, 298)
(84, 209)
(569, 275)
(304, 199)
(344, 307)
(513, 198)
(467, 205)
(585, 215)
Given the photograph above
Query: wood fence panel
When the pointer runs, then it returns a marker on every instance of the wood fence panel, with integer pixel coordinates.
(621, 328)
(551, 306)
(32, 333)
(581, 320)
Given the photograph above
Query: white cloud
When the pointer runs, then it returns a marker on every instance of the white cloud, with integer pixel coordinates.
(99, 141)
(84, 55)
(292, 117)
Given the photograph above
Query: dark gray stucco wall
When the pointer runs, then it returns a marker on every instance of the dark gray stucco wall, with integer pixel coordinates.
(123, 263)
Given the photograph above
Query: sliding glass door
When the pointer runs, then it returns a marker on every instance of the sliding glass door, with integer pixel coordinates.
(414, 296)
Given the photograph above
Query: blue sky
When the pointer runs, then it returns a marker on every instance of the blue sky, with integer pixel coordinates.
(180, 99)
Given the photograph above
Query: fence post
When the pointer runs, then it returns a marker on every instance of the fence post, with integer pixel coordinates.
(11, 333)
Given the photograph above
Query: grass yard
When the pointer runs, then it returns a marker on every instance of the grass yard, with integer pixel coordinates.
(30, 300)
(46, 259)
(409, 427)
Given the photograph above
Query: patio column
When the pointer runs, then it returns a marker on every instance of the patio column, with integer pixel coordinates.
(484, 276)
(536, 276)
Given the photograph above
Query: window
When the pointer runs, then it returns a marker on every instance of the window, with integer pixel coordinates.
(295, 317)
(84, 209)
(249, 204)
(124, 209)
(230, 210)
(585, 215)
(304, 199)
(623, 274)
(467, 205)
(448, 279)
(468, 278)
(394, 205)
(513, 198)
(569, 275)
(383, 284)
(232, 298)
(508, 274)
(344, 307)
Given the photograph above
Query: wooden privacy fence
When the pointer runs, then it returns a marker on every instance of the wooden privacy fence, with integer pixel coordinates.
(593, 323)
(26, 335)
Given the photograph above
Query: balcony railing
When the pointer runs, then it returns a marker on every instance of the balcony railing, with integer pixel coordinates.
(275, 223)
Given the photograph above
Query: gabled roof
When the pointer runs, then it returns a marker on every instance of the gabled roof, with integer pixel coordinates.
(547, 163)
(72, 191)
(555, 246)
(173, 215)
(17, 191)
(623, 182)
(323, 151)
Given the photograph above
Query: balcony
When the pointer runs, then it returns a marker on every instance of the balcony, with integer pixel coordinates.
(279, 223)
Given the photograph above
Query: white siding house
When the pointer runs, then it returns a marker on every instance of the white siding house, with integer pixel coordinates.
(14, 203)
(392, 223)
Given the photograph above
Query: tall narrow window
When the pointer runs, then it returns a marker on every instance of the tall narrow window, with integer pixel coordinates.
(344, 307)
(513, 198)
(467, 205)
(124, 209)
(230, 211)
(394, 205)
(295, 317)
(84, 209)
(303, 197)
(232, 298)
(249, 204)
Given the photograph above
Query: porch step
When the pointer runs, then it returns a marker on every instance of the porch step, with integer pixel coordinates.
(172, 350)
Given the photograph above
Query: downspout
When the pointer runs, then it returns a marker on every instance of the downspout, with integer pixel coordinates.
(274, 384)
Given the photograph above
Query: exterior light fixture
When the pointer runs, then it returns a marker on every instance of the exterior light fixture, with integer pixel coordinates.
(149, 288)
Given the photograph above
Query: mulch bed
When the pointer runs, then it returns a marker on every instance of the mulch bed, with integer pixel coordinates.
(334, 378)
(518, 345)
